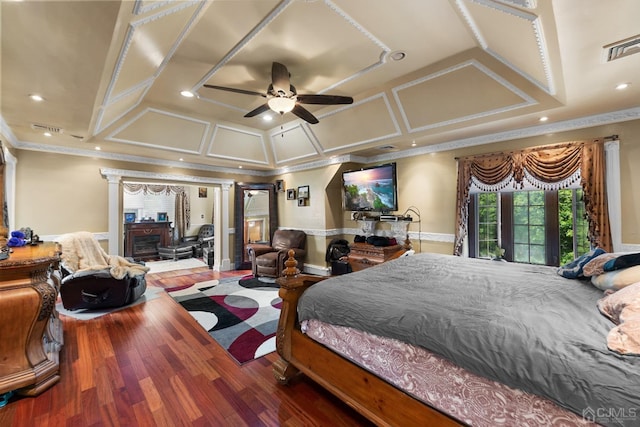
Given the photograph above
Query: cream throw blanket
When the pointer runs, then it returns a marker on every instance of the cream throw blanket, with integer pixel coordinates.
(82, 252)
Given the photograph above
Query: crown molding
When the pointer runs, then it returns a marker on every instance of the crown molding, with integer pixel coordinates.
(125, 173)
(563, 126)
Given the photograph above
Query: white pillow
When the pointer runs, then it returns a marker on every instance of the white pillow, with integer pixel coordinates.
(617, 279)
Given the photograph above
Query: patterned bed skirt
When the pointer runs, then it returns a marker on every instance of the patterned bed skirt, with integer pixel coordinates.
(467, 397)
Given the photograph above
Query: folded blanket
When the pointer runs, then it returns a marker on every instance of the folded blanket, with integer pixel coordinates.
(82, 252)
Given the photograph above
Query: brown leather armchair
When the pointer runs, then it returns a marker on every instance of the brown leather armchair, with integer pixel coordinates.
(268, 260)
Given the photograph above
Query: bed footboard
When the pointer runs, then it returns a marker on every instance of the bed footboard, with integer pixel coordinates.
(292, 285)
(371, 396)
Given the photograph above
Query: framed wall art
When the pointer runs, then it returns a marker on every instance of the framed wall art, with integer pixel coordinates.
(291, 194)
(303, 192)
(280, 186)
(129, 217)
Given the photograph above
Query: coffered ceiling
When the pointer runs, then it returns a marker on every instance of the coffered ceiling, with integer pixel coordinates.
(473, 71)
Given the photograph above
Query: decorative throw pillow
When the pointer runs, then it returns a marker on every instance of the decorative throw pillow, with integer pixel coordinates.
(573, 270)
(596, 265)
(623, 261)
(617, 279)
(615, 302)
(623, 308)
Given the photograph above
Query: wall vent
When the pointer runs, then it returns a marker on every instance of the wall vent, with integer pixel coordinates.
(47, 128)
(622, 48)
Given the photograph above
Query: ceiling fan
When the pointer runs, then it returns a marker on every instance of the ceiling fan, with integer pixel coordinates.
(282, 96)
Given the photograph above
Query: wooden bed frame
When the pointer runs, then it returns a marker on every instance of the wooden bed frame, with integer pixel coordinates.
(379, 401)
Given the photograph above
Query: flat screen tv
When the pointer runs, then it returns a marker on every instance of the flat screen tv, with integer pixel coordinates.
(371, 189)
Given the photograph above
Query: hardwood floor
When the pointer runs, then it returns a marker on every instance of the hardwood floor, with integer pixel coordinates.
(153, 365)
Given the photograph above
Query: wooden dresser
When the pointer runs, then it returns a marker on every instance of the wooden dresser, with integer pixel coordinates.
(141, 239)
(30, 330)
(364, 255)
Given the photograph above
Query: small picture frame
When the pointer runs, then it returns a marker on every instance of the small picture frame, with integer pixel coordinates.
(303, 192)
(301, 201)
(280, 186)
(161, 217)
(291, 194)
(129, 217)
(202, 192)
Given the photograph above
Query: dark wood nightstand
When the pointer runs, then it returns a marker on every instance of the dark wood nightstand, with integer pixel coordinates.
(364, 255)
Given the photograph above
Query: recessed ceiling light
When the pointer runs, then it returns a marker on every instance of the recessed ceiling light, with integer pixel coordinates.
(398, 55)
(623, 86)
(267, 118)
(187, 94)
(240, 167)
(544, 118)
(36, 97)
(413, 143)
(181, 159)
(98, 148)
(47, 134)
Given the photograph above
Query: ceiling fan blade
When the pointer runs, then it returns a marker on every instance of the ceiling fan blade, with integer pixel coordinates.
(325, 99)
(230, 89)
(261, 109)
(280, 79)
(304, 114)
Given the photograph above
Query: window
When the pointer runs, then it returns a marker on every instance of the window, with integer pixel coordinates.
(534, 227)
(529, 227)
(488, 224)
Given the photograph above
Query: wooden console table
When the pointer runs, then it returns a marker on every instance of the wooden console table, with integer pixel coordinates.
(30, 330)
(141, 239)
(364, 255)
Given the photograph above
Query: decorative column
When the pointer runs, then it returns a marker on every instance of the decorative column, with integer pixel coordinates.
(225, 259)
(114, 214)
(614, 199)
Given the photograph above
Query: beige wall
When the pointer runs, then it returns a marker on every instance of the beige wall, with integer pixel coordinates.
(58, 193)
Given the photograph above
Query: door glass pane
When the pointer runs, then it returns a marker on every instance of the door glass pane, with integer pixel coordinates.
(520, 198)
(520, 214)
(520, 234)
(521, 253)
(573, 225)
(537, 254)
(536, 215)
(536, 235)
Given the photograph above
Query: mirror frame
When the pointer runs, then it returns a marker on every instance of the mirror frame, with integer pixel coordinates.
(240, 250)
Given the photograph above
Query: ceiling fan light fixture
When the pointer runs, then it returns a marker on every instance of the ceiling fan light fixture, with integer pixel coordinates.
(281, 105)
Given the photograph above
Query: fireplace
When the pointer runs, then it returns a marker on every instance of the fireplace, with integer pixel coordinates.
(143, 238)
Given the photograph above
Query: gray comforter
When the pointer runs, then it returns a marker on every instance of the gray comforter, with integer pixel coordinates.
(522, 325)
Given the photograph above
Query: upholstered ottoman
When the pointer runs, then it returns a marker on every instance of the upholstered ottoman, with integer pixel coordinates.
(176, 252)
(207, 255)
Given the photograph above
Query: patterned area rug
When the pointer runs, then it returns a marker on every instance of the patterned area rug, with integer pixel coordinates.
(240, 314)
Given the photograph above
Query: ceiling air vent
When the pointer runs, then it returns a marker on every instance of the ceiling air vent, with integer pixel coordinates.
(47, 128)
(387, 147)
(622, 48)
